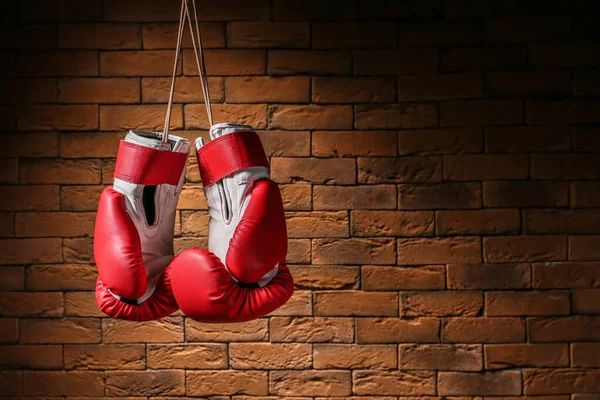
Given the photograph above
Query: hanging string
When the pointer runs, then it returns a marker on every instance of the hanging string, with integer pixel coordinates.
(199, 54)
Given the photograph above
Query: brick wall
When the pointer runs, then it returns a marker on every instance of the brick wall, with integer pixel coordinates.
(439, 163)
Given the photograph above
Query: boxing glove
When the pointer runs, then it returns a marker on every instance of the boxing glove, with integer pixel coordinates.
(133, 238)
(242, 275)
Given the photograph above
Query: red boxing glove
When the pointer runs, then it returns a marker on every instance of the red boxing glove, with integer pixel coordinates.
(133, 243)
(243, 276)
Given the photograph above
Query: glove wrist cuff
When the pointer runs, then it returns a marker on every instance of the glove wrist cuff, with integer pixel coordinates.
(228, 154)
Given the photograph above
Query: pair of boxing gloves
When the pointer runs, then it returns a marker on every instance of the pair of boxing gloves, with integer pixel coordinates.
(241, 276)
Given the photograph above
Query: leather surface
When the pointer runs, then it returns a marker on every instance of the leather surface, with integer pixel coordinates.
(206, 292)
(147, 166)
(228, 154)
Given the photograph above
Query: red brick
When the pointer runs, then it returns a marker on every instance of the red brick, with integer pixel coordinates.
(26, 198)
(99, 36)
(226, 62)
(525, 248)
(585, 194)
(325, 277)
(501, 356)
(394, 382)
(229, 382)
(253, 331)
(586, 301)
(43, 144)
(585, 354)
(564, 166)
(311, 330)
(392, 223)
(428, 277)
(9, 330)
(353, 251)
(270, 355)
(548, 381)
(567, 275)
(561, 221)
(405, 61)
(440, 87)
(57, 63)
(310, 383)
(317, 224)
(192, 198)
(444, 357)
(520, 83)
(483, 330)
(585, 138)
(149, 117)
(515, 139)
(7, 224)
(104, 357)
(355, 303)
(565, 54)
(332, 197)
(63, 224)
(63, 383)
(285, 143)
(187, 89)
(296, 197)
(158, 36)
(31, 357)
(27, 304)
(137, 63)
(188, 356)
(11, 383)
(300, 304)
(439, 250)
(166, 330)
(353, 90)
(327, 35)
(399, 170)
(481, 112)
(530, 193)
(65, 330)
(254, 115)
(153, 383)
(28, 251)
(312, 10)
(57, 117)
(345, 356)
(80, 198)
(484, 58)
(99, 90)
(82, 304)
(443, 196)
(485, 167)
(267, 89)
(78, 250)
(12, 278)
(36, 90)
(439, 33)
(291, 62)
(564, 329)
(440, 303)
(313, 170)
(440, 141)
(396, 116)
(299, 251)
(478, 222)
(580, 110)
(515, 304)
(480, 383)
(397, 330)
(353, 143)
(488, 276)
(312, 117)
(268, 34)
(61, 277)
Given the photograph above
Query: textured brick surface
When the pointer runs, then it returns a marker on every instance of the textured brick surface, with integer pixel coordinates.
(439, 167)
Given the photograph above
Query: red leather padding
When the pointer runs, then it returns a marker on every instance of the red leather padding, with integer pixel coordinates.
(146, 166)
(229, 154)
